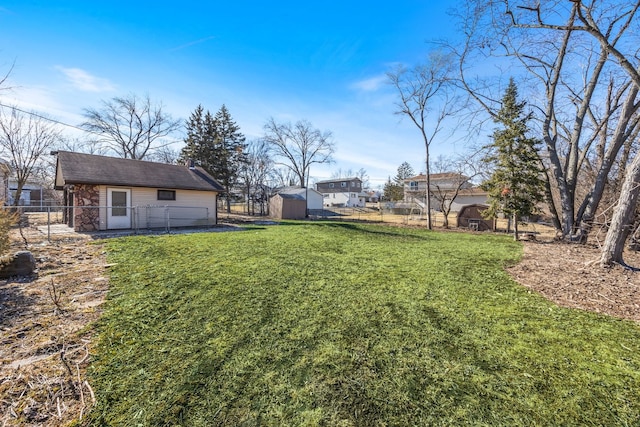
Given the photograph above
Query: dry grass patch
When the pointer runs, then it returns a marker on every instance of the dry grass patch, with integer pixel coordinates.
(46, 343)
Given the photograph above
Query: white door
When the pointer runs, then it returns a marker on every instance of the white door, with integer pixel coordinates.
(118, 208)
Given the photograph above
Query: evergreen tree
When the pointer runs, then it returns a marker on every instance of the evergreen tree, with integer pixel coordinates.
(394, 189)
(194, 142)
(515, 187)
(404, 171)
(391, 191)
(228, 152)
(217, 145)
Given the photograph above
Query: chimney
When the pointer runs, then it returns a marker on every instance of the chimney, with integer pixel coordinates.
(191, 164)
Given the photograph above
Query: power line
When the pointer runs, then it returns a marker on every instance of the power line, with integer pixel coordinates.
(40, 116)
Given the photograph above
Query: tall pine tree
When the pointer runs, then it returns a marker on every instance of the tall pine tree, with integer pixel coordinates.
(515, 187)
(216, 144)
(194, 142)
(404, 171)
(228, 153)
(394, 190)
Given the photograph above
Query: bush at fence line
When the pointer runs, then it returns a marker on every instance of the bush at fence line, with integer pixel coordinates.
(7, 219)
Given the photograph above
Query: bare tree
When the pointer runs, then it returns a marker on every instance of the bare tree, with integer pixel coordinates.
(5, 77)
(164, 154)
(254, 175)
(612, 27)
(426, 96)
(589, 108)
(130, 126)
(281, 177)
(24, 139)
(83, 146)
(622, 221)
(298, 146)
(458, 172)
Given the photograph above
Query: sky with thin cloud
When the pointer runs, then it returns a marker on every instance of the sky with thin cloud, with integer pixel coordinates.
(321, 61)
(83, 81)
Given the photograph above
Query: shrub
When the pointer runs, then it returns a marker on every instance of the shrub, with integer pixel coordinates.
(7, 220)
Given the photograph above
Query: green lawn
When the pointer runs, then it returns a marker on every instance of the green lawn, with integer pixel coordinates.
(335, 324)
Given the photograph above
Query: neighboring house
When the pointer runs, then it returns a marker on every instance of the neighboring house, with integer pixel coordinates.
(443, 186)
(5, 173)
(31, 195)
(342, 192)
(372, 196)
(105, 193)
(469, 196)
(314, 198)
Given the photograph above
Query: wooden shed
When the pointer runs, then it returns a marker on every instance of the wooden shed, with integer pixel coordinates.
(470, 216)
(288, 206)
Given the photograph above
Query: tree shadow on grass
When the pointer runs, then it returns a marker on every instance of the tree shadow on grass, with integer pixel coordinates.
(13, 302)
(360, 228)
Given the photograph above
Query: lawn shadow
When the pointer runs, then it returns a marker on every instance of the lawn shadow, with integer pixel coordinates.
(357, 227)
(13, 302)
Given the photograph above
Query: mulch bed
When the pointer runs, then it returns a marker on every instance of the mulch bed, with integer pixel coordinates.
(570, 276)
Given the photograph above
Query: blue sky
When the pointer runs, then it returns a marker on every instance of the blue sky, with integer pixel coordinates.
(323, 61)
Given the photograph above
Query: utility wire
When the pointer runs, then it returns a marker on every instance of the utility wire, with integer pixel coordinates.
(40, 116)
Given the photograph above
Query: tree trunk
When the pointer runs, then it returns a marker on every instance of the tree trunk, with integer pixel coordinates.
(565, 192)
(548, 194)
(16, 199)
(248, 198)
(428, 191)
(622, 221)
(587, 211)
(515, 227)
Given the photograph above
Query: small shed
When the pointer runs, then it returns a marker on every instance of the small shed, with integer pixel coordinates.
(288, 206)
(470, 216)
(313, 197)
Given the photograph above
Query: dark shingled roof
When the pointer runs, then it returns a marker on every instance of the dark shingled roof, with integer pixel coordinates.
(291, 196)
(80, 168)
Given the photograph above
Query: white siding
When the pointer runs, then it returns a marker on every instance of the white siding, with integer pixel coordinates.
(335, 199)
(191, 208)
(314, 200)
(344, 199)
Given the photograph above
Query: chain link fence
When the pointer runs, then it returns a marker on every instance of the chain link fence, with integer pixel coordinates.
(103, 218)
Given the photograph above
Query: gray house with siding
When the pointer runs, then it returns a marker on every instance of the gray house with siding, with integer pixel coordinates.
(106, 193)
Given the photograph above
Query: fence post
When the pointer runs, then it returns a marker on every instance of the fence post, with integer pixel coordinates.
(134, 216)
(49, 224)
